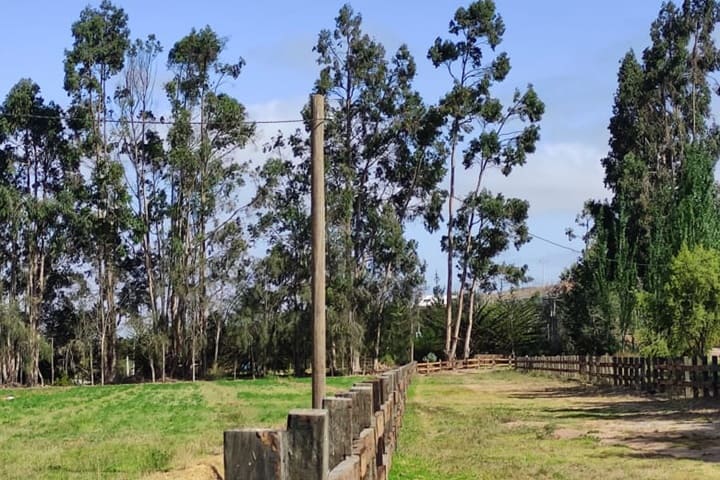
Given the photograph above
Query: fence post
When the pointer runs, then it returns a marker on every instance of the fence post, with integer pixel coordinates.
(307, 444)
(637, 377)
(661, 369)
(626, 371)
(615, 372)
(687, 378)
(705, 377)
(339, 428)
(254, 454)
(354, 397)
(365, 406)
(643, 376)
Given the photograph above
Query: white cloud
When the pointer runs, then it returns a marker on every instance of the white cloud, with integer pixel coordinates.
(558, 178)
(273, 110)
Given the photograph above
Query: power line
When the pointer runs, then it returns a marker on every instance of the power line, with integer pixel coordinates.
(147, 121)
(611, 260)
(554, 243)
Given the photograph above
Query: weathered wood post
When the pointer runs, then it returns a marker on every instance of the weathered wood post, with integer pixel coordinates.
(306, 441)
(339, 428)
(615, 371)
(317, 213)
(643, 373)
(715, 376)
(686, 377)
(253, 454)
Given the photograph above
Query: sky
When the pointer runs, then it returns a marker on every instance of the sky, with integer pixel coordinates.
(569, 51)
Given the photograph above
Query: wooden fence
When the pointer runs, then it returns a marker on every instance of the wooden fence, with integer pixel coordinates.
(352, 437)
(691, 377)
(476, 363)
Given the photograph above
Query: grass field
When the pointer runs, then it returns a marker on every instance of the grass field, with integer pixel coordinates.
(128, 431)
(506, 425)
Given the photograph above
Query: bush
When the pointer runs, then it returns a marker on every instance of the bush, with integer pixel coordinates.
(430, 357)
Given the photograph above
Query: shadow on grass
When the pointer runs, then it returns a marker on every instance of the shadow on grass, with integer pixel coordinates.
(651, 426)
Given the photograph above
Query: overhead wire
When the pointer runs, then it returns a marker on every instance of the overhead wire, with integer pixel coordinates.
(554, 243)
(147, 121)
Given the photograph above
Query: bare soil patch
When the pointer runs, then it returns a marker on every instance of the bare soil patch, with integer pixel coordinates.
(210, 468)
(647, 424)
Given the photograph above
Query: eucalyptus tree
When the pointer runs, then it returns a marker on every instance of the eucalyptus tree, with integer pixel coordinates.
(208, 128)
(283, 223)
(100, 42)
(379, 138)
(488, 225)
(140, 146)
(41, 173)
(478, 127)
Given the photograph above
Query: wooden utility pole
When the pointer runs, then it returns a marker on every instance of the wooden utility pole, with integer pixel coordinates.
(317, 147)
(52, 360)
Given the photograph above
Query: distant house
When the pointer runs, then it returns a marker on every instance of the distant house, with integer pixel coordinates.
(430, 300)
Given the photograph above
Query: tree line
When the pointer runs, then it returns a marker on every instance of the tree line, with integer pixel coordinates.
(648, 279)
(124, 233)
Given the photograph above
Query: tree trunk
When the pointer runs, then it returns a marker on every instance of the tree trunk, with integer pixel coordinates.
(451, 197)
(102, 357)
(152, 368)
(217, 343)
(92, 372)
(376, 358)
(471, 313)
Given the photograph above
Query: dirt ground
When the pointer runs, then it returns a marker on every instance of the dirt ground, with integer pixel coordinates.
(648, 424)
(210, 468)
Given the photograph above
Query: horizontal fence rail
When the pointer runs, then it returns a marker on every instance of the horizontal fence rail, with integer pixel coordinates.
(691, 377)
(475, 363)
(352, 437)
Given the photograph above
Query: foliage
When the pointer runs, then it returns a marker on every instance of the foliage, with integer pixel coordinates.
(487, 134)
(691, 302)
(660, 170)
(511, 326)
(124, 232)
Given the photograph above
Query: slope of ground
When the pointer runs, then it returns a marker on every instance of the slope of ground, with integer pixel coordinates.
(506, 425)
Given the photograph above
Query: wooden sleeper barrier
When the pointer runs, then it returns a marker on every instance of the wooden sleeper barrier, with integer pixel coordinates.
(352, 437)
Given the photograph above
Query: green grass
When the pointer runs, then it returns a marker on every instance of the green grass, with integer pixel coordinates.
(126, 431)
(505, 425)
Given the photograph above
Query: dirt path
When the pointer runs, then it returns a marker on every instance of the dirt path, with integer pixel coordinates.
(646, 424)
(507, 425)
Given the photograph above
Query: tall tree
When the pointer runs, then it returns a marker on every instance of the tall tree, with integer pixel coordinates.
(382, 137)
(140, 146)
(478, 127)
(101, 38)
(663, 148)
(208, 127)
(488, 225)
(42, 176)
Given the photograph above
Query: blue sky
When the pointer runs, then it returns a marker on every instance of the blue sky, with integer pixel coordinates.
(568, 49)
